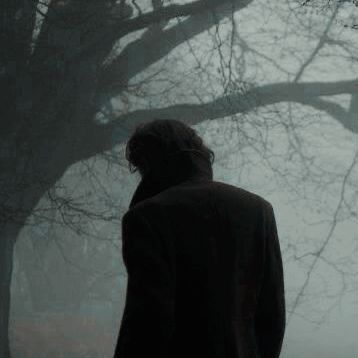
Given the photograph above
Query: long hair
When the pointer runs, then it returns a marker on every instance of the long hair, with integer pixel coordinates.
(154, 143)
(164, 151)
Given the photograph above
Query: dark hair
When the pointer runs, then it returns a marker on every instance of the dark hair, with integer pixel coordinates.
(159, 140)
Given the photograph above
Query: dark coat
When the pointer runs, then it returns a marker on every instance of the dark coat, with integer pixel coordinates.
(205, 276)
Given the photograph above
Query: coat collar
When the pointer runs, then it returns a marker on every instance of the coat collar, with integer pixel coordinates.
(183, 166)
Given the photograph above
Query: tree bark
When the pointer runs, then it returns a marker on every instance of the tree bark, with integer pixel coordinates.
(8, 234)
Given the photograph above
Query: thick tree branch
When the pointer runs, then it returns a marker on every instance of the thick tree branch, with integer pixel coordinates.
(145, 51)
(105, 137)
(169, 12)
(125, 26)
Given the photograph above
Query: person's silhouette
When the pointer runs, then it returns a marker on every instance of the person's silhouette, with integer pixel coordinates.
(205, 275)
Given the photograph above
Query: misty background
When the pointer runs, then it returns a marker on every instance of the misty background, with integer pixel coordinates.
(272, 87)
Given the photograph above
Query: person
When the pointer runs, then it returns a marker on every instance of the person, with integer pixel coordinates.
(205, 275)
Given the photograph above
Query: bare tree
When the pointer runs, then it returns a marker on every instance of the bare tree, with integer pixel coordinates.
(64, 62)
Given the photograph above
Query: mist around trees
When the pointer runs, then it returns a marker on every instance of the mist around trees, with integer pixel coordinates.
(271, 86)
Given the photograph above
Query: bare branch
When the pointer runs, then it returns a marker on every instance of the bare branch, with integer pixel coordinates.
(170, 12)
(308, 93)
(150, 49)
(318, 254)
(322, 41)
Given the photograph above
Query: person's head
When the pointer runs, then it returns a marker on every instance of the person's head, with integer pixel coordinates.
(156, 143)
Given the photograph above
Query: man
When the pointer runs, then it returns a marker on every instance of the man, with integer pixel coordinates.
(205, 276)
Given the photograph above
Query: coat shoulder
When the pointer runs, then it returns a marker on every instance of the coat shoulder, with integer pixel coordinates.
(190, 192)
(241, 194)
(147, 209)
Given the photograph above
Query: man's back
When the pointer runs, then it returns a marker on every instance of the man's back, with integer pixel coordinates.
(217, 289)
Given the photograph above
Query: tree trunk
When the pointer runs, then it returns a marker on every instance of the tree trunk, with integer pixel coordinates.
(8, 235)
(16, 204)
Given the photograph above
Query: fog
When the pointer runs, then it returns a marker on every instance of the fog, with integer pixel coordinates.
(272, 88)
